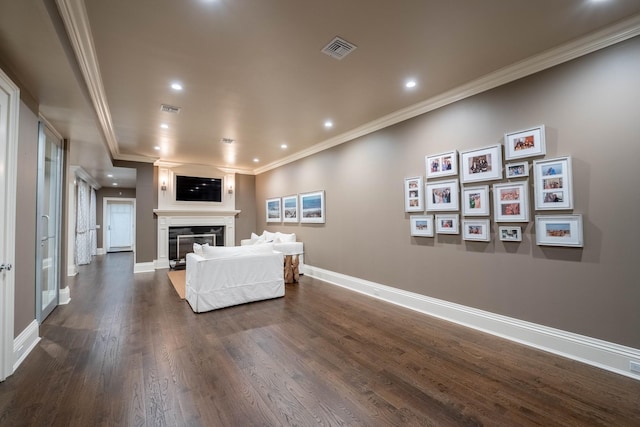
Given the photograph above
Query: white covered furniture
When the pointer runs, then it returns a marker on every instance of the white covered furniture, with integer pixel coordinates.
(285, 243)
(226, 276)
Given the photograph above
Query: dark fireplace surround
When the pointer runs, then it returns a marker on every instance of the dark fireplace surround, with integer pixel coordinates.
(182, 238)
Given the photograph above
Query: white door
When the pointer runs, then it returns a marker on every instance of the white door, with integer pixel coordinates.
(9, 107)
(119, 223)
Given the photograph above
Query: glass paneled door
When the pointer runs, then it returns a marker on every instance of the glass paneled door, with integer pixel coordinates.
(49, 222)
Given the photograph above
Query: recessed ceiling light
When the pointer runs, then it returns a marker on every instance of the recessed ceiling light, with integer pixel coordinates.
(109, 175)
(328, 124)
(176, 86)
(283, 146)
(115, 184)
(164, 126)
(157, 148)
(410, 84)
(256, 160)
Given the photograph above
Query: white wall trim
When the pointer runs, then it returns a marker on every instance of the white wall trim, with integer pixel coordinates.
(24, 343)
(602, 354)
(72, 270)
(64, 296)
(101, 251)
(144, 267)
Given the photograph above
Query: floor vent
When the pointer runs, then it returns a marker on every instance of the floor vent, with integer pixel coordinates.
(169, 109)
(338, 48)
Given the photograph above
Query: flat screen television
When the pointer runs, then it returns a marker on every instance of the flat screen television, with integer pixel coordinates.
(197, 189)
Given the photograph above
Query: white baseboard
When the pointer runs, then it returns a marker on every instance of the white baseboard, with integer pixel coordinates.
(606, 355)
(72, 270)
(100, 251)
(64, 296)
(144, 267)
(24, 343)
(160, 264)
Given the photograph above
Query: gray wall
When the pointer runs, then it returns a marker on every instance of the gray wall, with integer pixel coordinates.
(25, 259)
(127, 193)
(591, 109)
(246, 203)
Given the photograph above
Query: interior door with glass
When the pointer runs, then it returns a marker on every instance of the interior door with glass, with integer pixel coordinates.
(49, 222)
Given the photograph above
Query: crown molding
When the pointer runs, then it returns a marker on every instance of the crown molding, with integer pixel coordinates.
(79, 172)
(601, 39)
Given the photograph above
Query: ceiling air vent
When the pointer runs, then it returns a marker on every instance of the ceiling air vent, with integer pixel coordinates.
(338, 48)
(169, 109)
(227, 140)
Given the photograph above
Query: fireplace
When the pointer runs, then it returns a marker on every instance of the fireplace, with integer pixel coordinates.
(181, 239)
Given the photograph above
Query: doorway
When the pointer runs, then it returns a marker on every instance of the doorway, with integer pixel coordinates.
(119, 224)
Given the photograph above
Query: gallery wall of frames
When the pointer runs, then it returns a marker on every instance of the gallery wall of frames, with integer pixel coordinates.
(303, 208)
(465, 190)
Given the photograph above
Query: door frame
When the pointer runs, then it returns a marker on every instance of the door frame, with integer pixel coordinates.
(10, 92)
(106, 218)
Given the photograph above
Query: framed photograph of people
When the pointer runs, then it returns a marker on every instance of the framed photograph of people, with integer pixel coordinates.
(510, 233)
(475, 201)
(274, 214)
(413, 198)
(443, 195)
(476, 229)
(559, 230)
(290, 209)
(448, 224)
(553, 183)
(525, 143)
(312, 207)
(482, 164)
(516, 170)
(421, 225)
(443, 164)
(511, 202)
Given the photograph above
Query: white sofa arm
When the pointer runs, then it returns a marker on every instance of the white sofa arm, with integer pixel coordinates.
(246, 242)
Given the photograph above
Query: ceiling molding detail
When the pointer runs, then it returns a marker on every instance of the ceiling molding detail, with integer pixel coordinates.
(76, 21)
(82, 174)
(606, 37)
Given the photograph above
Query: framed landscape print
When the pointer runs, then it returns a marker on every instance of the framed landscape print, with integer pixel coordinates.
(511, 202)
(413, 199)
(553, 184)
(273, 210)
(525, 143)
(475, 201)
(476, 229)
(510, 234)
(290, 209)
(448, 224)
(483, 164)
(443, 195)
(443, 164)
(516, 170)
(422, 225)
(312, 207)
(559, 230)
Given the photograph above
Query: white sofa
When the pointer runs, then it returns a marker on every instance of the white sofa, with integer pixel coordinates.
(225, 276)
(285, 243)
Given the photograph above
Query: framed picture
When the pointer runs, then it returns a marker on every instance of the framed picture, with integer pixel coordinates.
(443, 195)
(421, 225)
(443, 164)
(559, 230)
(510, 234)
(413, 199)
(511, 202)
(312, 207)
(476, 229)
(525, 143)
(448, 224)
(274, 213)
(483, 164)
(516, 170)
(475, 201)
(290, 209)
(553, 184)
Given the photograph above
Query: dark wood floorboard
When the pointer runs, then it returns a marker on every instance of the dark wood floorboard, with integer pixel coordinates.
(127, 351)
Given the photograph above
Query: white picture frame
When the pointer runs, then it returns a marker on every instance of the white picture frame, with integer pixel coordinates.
(442, 164)
(447, 224)
(476, 229)
(290, 211)
(312, 207)
(443, 195)
(475, 201)
(273, 210)
(559, 230)
(553, 183)
(525, 143)
(481, 164)
(421, 225)
(509, 233)
(511, 201)
(516, 170)
(413, 194)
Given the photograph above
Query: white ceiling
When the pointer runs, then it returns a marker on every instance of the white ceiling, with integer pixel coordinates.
(252, 70)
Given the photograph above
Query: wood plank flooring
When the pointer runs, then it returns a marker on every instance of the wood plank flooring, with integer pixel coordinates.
(127, 351)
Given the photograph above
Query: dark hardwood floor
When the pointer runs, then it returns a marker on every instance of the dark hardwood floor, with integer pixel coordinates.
(127, 351)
